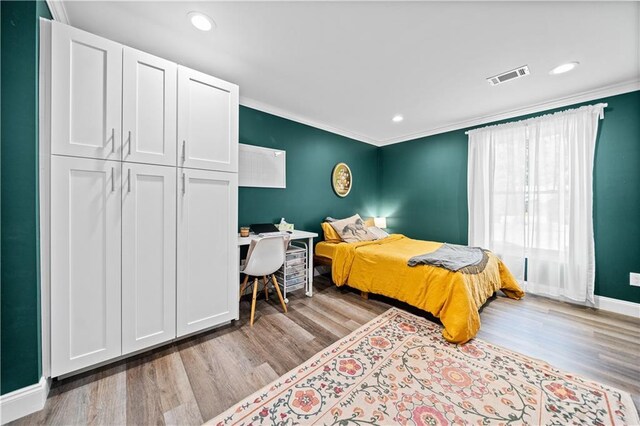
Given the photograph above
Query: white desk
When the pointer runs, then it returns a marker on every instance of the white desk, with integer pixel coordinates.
(295, 235)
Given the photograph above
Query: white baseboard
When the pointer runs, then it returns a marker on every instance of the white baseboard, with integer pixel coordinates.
(22, 402)
(618, 306)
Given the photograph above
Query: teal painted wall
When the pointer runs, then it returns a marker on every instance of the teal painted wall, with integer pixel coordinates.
(20, 295)
(424, 191)
(617, 198)
(311, 155)
(424, 187)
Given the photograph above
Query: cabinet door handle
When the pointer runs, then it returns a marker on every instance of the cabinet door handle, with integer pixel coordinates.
(128, 180)
(184, 151)
(113, 140)
(113, 181)
(184, 183)
(130, 142)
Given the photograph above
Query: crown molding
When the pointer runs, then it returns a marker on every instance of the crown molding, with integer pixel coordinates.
(58, 11)
(603, 92)
(616, 89)
(260, 106)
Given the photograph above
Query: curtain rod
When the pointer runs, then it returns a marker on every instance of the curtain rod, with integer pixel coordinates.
(566, 111)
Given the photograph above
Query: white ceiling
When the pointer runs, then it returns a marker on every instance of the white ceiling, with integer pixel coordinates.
(349, 67)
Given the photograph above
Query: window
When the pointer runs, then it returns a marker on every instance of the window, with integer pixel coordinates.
(530, 199)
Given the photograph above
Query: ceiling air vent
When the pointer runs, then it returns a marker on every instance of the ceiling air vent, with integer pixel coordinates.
(509, 75)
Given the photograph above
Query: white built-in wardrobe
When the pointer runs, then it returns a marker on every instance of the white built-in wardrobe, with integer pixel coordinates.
(139, 161)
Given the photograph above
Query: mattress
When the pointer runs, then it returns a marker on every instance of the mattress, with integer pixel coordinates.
(326, 249)
(380, 267)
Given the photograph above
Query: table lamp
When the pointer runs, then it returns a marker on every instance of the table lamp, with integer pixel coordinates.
(380, 222)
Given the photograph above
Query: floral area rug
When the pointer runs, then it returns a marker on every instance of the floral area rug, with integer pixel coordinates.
(397, 369)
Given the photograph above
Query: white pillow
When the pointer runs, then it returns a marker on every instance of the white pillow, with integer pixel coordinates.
(377, 232)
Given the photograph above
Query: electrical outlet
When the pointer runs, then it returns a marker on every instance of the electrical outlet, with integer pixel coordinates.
(634, 279)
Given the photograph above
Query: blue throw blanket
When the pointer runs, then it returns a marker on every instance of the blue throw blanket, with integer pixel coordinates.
(452, 257)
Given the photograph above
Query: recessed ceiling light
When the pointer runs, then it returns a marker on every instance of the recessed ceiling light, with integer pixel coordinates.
(397, 118)
(561, 69)
(200, 21)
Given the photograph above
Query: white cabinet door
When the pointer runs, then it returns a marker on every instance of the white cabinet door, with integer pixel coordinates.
(148, 109)
(148, 255)
(207, 122)
(85, 262)
(86, 94)
(207, 249)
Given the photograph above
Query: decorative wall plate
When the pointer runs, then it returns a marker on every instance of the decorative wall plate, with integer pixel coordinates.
(341, 179)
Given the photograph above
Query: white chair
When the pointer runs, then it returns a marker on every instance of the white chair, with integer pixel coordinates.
(266, 255)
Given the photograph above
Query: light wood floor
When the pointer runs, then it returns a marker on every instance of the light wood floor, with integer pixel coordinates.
(192, 381)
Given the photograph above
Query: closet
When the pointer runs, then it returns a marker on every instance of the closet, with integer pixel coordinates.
(142, 158)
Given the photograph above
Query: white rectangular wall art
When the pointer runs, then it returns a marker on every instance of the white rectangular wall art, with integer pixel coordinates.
(262, 167)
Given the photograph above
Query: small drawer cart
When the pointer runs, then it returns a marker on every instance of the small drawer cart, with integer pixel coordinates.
(293, 273)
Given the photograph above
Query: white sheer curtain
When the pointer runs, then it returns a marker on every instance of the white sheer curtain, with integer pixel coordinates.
(496, 191)
(530, 187)
(560, 254)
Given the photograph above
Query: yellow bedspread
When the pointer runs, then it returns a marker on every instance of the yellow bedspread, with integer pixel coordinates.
(380, 267)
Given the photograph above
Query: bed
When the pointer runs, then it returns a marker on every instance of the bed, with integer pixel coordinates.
(380, 267)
